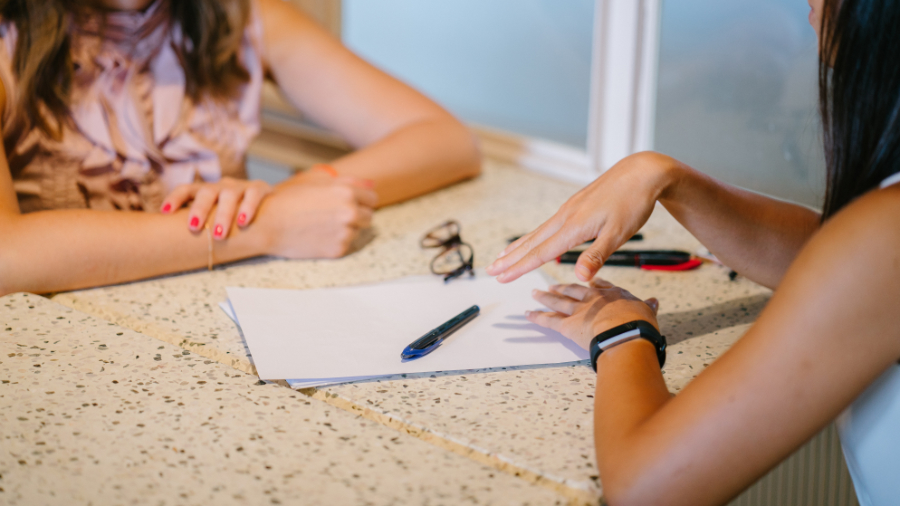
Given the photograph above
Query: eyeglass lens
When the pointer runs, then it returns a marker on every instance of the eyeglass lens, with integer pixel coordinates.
(441, 235)
(456, 258)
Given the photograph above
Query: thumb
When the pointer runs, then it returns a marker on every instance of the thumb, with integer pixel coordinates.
(653, 302)
(592, 259)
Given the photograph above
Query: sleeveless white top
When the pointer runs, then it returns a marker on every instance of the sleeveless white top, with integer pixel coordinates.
(870, 434)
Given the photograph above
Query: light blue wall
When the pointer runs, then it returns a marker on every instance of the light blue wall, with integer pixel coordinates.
(737, 94)
(517, 65)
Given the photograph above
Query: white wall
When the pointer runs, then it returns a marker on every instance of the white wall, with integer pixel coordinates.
(516, 65)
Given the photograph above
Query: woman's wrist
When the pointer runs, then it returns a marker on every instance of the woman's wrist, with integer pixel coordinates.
(674, 175)
(635, 349)
(665, 173)
(601, 326)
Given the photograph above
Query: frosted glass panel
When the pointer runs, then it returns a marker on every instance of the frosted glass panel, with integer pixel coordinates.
(737, 94)
(516, 65)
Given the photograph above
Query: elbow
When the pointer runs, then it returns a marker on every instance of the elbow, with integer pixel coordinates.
(462, 146)
(472, 167)
(10, 263)
(621, 494)
(628, 482)
(647, 486)
(469, 149)
(618, 489)
(6, 287)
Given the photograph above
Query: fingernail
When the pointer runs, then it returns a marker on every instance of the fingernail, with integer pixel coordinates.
(219, 230)
(195, 222)
(242, 218)
(490, 268)
(501, 278)
(166, 208)
(582, 273)
(501, 255)
(535, 292)
(528, 313)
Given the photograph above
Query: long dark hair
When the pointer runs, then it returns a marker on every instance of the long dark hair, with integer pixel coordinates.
(859, 96)
(213, 30)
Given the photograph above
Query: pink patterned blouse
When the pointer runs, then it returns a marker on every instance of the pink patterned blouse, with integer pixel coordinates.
(135, 135)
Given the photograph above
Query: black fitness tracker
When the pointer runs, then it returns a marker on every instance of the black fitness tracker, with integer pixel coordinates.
(638, 329)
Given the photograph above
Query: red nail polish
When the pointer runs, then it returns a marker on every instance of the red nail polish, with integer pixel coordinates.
(242, 218)
(218, 231)
(195, 222)
(166, 208)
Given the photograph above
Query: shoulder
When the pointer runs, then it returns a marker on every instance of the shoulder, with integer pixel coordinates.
(291, 34)
(276, 14)
(863, 236)
(873, 218)
(851, 265)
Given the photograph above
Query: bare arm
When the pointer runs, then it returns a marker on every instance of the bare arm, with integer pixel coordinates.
(753, 234)
(407, 144)
(828, 332)
(67, 249)
(756, 235)
(60, 250)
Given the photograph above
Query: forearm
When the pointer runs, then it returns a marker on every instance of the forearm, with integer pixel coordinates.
(69, 249)
(415, 159)
(755, 235)
(630, 389)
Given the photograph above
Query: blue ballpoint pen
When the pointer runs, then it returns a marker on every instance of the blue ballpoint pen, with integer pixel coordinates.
(430, 341)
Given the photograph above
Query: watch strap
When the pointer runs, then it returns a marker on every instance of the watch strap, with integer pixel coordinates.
(638, 329)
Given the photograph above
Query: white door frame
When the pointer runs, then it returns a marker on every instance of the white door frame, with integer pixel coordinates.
(625, 53)
(622, 101)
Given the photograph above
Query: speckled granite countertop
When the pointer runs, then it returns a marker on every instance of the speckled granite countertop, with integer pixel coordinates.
(92, 413)
(534, 423)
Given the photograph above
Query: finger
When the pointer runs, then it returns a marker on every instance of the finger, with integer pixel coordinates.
(572, 290)
(365, 196)
(204, 200)
(601, 284)
(368, 184)
(515, 244)
(178, 197)
(363, 218)
(525, 245)
(550, 320)
(557, 302)
(653, 302)
(593, 258)
(544, 252)
(227, 207)
(253, 196)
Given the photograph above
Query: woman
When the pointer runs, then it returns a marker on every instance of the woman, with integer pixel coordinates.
(150, 105)
(829, 340)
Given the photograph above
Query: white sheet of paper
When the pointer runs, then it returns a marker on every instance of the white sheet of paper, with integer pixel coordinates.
(357, 332)
(300, 383)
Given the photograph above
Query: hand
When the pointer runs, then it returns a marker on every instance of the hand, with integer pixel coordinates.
(235, 200)
(315, 217)
(610, 210)
(581, 312)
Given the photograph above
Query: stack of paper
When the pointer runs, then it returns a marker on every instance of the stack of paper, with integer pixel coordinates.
(335, 335)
